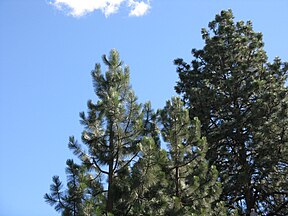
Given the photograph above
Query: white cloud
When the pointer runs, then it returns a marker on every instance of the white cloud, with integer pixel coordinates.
(78, 8)
(138, 8)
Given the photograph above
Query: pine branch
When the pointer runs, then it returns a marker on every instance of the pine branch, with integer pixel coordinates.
(98, 167)
(55, 197)
(127, 163)
(186, 163)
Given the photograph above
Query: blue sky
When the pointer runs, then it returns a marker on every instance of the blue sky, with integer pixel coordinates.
(47, 50)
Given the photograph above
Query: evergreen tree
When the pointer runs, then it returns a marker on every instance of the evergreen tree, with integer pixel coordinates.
(241, 101)
(114, 129)
(192, 185)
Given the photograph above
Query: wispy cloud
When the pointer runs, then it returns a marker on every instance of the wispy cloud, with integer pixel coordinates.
(78, 8)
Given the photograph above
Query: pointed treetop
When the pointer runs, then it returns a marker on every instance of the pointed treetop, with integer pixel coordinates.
(113, 61)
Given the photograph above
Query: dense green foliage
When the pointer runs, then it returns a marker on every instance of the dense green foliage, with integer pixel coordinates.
(122, 169)
(241, 101)
(192, 185)
(226, 139)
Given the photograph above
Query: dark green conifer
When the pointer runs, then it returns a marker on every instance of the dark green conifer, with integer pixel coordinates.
(241, 101)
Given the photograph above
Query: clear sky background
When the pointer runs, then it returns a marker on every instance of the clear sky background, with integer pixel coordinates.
(47, 51)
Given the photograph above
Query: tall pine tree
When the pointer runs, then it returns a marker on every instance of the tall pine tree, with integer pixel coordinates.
(241, 101)
(114, 129)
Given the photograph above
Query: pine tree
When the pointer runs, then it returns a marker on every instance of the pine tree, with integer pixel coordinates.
(114, 129)
(192, 185)
(241, 101)
(148, 180)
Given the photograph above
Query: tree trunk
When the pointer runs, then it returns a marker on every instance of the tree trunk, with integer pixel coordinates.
(109, 205)
(177, 181)
(248, 193)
